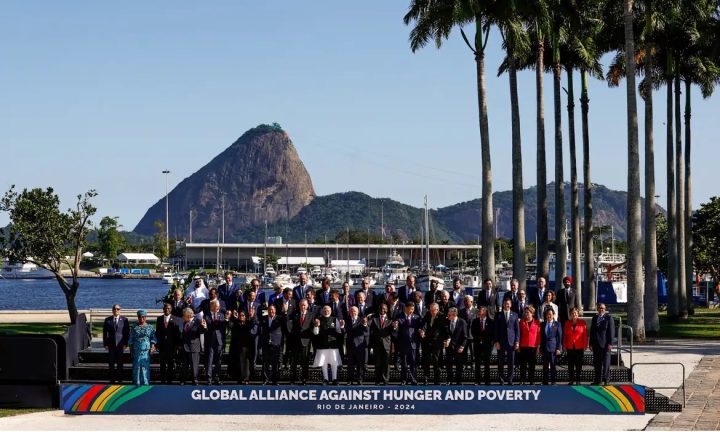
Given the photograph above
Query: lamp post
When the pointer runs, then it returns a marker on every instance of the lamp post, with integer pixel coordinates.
(167, 215)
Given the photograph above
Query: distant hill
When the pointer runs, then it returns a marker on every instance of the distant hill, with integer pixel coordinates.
(263, 178)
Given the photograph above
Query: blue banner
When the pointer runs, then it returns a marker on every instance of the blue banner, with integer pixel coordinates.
(167, 399)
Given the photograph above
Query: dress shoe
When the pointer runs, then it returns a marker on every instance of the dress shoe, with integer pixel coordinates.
(595, 383)
(275, 383)
(196, 383)
(182, 382)
(335, 382)
(425, 382)
(266, 382)
(606, 383)
(413, 382)
(304, 382)
(325, 382)
(403, 383)
(360, 383)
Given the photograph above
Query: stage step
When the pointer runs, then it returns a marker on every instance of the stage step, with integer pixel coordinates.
(657, 403)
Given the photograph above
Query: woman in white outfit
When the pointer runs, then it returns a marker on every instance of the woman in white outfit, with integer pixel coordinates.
(328, 332)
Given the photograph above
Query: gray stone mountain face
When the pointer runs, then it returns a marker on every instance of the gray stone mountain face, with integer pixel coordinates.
(261, 178)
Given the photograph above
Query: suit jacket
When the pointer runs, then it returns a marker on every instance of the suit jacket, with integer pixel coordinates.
(301, 334)
(320, 297)
(520, 307)
(216, 330)
(243, 335)
(488, 300)
(602, 332)
(364, 311)
(536, 298)
(280, 302)
(177, 307)
(407, 335)
(507, 333)
(431, 297)
(468, 315)
(168, 337)
(405, 295)
(575, 337)
(394, 311)
(255, 305)
(551, 339)
(338, 309)
(116, 336)
(300, 291)
(271, 333)
(483, 337)
(420, 310)
(444, 307)
(226, 293)
(259, 296)
(457, 296)
(435, 333)
(458, 336)
(513, 296)
(565, 301)
(329, 334)
(380, 299)
(356, 335)
(190, 335)
(369, 297)
(205, 306)
(381, 335)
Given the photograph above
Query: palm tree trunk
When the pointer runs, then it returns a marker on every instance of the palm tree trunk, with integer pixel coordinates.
(488, 236)
(672, 294)
(688, 202)
(560, 241)
(574, 195)
(652, 320)
(518, 201)
(636, 311)
(543, 264)
(680, 203)
(590, 282)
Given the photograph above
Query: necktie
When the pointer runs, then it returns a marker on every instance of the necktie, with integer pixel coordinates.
(482, 325)
(167, 318)
(507, 317)
(432, 320)
(382, 321)
(547, 329)
(302, 319)
(116, 320)
(452, 326)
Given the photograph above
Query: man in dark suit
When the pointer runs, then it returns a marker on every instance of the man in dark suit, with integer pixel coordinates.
(550, 346)
(513, 295)
(483, 334)
(337, 308)
(178, 304)
(251, 302)
(271, 339)
(357, 334)
(285, 304)
(116, 331)
(322, 295)
(255, 287)
(190, 340)
(406, 330)
(445, 303)
(458, 292)
(213, 294)
(216, 325)
(394, 307)
(602, 334)
(227, 292)
(420, 306)
(521, 303)
(300, 336)
(381, 343)
(537, 297)
(168, 335)
(455, 346)
(433, 334)
(302, 288)
(407, 291)
(385, 298)
(347, 299)
(566, 299)
(433, 294)
(367, 291)
(363, 306)
(487, 297)
(467, 312)
(507, 341)
(312, 303)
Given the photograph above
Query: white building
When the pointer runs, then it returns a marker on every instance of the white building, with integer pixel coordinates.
(137, 258)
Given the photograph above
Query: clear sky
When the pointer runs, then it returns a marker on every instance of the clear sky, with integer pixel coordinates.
(106, 95)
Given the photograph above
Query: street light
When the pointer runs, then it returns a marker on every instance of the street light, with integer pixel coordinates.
(167, 215)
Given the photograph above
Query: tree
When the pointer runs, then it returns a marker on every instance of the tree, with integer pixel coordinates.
(40, 233)
(159, 241)
(636, 318)
(706, 235)
(434, 20)
(109, 239)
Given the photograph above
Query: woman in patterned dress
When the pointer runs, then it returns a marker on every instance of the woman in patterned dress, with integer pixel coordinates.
(142, 345)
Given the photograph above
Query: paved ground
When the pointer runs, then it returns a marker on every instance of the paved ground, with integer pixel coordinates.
(701, 412)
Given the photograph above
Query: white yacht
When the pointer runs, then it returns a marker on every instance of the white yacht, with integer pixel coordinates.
(395, 269)
(24, 271)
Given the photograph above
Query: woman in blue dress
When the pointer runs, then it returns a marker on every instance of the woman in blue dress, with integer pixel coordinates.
(142, 345)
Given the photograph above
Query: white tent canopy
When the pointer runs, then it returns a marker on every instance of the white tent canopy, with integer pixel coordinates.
(296, 261)
(138, 258)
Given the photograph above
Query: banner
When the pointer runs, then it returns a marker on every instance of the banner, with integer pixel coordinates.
(292, 400)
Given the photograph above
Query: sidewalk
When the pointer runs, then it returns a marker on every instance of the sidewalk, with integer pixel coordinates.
(702, 411)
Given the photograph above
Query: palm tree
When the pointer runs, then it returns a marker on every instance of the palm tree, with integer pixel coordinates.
(434, 20)
(636, 318)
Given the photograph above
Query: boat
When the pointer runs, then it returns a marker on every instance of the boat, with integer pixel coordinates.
(395, 269)
(168, 278)
(301, 270)
(25, 270)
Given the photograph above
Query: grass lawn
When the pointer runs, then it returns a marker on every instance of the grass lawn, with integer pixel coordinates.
(704, 324)
(15, 328)
(7, 412)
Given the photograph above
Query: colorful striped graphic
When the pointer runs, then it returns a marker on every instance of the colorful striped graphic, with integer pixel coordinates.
(85, 398)
(616, 399)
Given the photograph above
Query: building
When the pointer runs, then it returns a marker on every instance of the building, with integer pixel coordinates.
(132, 258)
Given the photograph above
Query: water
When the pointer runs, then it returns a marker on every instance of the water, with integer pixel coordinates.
(94, 293)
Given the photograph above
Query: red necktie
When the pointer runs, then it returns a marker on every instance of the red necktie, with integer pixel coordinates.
(302, 319)
(382, 321)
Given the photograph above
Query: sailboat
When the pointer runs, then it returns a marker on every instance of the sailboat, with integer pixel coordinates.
(424, 278)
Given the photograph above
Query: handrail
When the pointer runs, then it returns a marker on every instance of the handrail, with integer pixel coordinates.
(632, 368)
(632, 345)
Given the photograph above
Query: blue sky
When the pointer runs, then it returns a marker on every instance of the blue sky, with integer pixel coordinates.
(105, 96)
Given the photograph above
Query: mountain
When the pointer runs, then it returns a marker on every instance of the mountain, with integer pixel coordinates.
(609, 208)
(263, 179)
(260, 176)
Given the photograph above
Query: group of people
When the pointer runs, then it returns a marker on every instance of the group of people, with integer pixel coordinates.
(406, 327)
